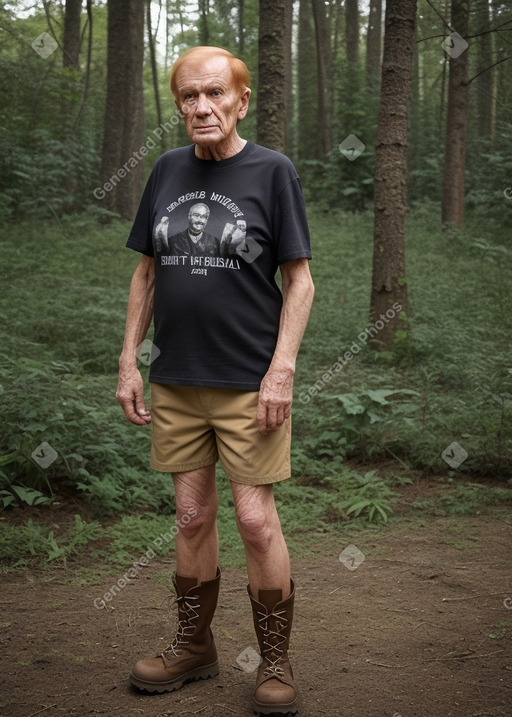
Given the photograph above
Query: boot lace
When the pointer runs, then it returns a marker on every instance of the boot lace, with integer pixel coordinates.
(272, 639)
(188, 607)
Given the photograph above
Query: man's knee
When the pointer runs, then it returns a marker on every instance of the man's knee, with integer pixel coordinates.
(195, 512)
(257, 525)
(193, 517)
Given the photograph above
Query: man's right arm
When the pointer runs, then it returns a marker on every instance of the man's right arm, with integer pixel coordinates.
(130, 389)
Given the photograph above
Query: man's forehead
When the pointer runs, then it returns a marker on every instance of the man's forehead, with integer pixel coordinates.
(205, 72)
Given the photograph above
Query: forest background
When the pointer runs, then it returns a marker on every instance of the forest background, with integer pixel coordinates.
(399, 121)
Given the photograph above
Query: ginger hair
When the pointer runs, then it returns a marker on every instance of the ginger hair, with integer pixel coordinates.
(197, 55)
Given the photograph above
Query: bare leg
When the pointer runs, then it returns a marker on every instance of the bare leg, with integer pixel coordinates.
(197, 542)
(268, 562)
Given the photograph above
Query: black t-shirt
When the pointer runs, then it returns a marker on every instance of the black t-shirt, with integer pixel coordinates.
(218, 231)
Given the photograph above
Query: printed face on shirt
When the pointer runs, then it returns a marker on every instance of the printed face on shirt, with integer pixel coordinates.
(197, 218)
(210, 103)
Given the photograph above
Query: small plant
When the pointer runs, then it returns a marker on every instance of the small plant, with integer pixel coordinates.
(503, 628)
(372, 498)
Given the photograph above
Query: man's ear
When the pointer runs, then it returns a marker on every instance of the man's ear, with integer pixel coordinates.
(244, 103)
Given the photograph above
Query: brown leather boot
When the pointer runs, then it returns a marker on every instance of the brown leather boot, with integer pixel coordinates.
(192, 654)
(275, 690)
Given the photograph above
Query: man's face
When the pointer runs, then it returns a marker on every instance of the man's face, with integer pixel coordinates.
(197, 220)
(211, 105)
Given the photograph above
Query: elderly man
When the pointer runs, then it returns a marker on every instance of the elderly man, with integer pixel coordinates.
(221, 385)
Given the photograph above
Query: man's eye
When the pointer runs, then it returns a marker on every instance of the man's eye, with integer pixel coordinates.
(216, 93)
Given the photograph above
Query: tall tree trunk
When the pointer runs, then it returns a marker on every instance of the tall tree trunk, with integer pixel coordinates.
(241, 28)
(288, 26)
(323, 63)
(389, 289)
(374, 45)
(88, 63)
(486, 82)
(352, 31)
(71, 44)
(122, 159)
(272, 75)
(452, 207)
(154, 67)
(204, 33)
(306, 83)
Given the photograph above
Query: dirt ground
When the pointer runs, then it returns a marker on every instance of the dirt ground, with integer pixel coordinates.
(421, 628)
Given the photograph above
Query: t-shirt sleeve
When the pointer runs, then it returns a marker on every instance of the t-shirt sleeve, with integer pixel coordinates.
(292, 232)
(141, 234)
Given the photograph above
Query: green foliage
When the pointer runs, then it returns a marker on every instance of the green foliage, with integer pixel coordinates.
(466, 499)
(36, 544)
(368, 496)
(503, 629)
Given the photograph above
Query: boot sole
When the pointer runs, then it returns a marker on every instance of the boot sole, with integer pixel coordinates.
(199, 673)
(283, 709)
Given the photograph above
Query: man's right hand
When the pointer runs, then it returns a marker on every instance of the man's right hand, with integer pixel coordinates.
(130, 394)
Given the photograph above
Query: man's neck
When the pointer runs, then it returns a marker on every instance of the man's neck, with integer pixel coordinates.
(224, 150)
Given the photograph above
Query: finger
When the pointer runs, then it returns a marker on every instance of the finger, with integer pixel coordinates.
(141, 410)
(272, 418)
(261, 417)
(138, 416)
(279, 418)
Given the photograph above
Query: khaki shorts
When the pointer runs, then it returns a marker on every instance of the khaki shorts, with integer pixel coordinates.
(195, 427)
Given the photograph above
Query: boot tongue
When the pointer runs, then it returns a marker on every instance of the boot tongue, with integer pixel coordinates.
(270, 598)
(185, 584)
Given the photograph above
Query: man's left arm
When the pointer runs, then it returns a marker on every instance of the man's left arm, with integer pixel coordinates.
(276, 390)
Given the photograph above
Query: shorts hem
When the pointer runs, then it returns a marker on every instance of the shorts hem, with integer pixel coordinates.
(182, 467)
(259, 480)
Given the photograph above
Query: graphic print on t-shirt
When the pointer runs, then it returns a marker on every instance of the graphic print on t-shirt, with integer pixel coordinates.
(204, 233)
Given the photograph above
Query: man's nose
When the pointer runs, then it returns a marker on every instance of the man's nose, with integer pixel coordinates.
(203, 106)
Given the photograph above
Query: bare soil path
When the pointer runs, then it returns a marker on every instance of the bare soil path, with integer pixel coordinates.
(421, 628)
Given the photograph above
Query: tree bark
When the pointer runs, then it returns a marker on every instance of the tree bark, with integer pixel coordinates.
(307, 85)
(352, 31)
(204, 33)
(452, 208)
(388, 303)
(323, 63)
(72, 40)
(241, 28)
(272, 74)
(122, 160)
(486, 82)
(154, 67)
(288, 27)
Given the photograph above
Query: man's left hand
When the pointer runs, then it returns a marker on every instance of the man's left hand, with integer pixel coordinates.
(275, 400)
